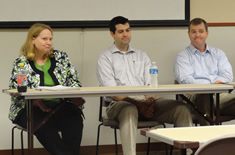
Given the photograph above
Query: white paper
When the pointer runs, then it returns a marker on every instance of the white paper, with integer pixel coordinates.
(57, 88)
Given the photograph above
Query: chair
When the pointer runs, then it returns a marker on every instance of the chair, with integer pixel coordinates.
(222, 118)
(37, 126)
(218, 146)
(21, 137)
(105, 121)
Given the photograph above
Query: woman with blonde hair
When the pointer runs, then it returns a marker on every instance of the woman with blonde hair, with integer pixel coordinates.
(48, 67)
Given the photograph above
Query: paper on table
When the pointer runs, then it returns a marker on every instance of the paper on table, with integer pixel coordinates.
(57, 88)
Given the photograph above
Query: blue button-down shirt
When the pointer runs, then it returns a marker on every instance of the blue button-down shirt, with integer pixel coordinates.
(193, 67)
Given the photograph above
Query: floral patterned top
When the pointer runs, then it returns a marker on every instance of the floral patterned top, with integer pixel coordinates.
(61, 71)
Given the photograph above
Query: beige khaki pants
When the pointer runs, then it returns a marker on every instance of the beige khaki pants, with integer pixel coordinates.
(202, 101)
(166, 111)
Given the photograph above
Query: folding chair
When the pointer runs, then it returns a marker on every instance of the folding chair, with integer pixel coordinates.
(222, 118)
(44, 120)
(105, 121)
(218, 146)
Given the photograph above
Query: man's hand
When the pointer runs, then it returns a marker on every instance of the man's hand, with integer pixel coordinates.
(146, 108)
(150, 97)
(41, 105)
(78, 101)
(219, 82)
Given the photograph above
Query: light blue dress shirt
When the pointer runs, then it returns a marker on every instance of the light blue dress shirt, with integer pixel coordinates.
(129, 68)
(193, 67)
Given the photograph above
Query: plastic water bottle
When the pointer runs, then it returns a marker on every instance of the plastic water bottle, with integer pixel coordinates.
(21, 79)
(153, 71)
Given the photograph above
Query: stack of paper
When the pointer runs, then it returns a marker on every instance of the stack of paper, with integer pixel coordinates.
(57, 88)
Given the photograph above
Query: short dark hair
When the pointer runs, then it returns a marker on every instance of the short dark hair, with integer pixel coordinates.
(115, 21)
(197, 21)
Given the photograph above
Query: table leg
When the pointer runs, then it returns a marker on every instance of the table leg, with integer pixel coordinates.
(205, 116)
(217, 108)
(30, 126)
(212, 109)
(183, 151)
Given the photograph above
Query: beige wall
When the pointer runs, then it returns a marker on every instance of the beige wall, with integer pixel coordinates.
(213, 11)
(83, 48)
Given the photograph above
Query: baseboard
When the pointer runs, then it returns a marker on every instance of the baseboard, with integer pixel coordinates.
(103, 149)
(110, 149)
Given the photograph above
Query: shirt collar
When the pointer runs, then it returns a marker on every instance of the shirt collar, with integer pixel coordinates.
(114, 49)
(194, 50)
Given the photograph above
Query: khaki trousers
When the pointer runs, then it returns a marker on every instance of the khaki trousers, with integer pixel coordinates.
(202, 101)
(166, 111)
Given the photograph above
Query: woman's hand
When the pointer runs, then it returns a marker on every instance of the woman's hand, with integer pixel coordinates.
(40, 104)
(78, 101)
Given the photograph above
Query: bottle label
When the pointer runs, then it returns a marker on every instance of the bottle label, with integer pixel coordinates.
(21, 79)
(153, 71)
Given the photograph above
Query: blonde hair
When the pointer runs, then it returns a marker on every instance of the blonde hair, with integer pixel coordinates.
(28, 49)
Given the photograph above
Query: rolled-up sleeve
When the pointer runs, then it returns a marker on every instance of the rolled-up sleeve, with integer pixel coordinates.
(225, 72)
(104, 71)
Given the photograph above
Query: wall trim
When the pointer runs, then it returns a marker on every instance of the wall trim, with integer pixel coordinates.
(103, 149)
(221, 24)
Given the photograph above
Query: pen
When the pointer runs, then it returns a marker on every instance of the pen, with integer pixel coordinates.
(38, 89)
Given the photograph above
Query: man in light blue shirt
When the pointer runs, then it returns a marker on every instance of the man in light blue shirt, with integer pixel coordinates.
(122, 65)
(203, 64)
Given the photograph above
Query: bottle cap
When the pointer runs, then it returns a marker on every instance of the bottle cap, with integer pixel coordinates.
(21, 64)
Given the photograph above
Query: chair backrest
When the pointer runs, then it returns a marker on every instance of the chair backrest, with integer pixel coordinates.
(176, 82)
(103, 103)
(100, 111)
(218, 146)
(177, 96)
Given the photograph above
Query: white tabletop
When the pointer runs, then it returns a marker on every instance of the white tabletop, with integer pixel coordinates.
(123, 90)
(188, 137)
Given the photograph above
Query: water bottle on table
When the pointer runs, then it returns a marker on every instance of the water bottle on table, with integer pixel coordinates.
(21, 79)
(153, 71)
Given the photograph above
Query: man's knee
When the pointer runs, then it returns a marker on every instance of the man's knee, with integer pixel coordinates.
(130, 109)
(183, 108)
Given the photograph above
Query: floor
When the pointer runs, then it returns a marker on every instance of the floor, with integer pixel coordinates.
(160, 153)
(153, 153)
(189, 152)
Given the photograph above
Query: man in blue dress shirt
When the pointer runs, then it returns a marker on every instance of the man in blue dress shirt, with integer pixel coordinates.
(200, 63)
